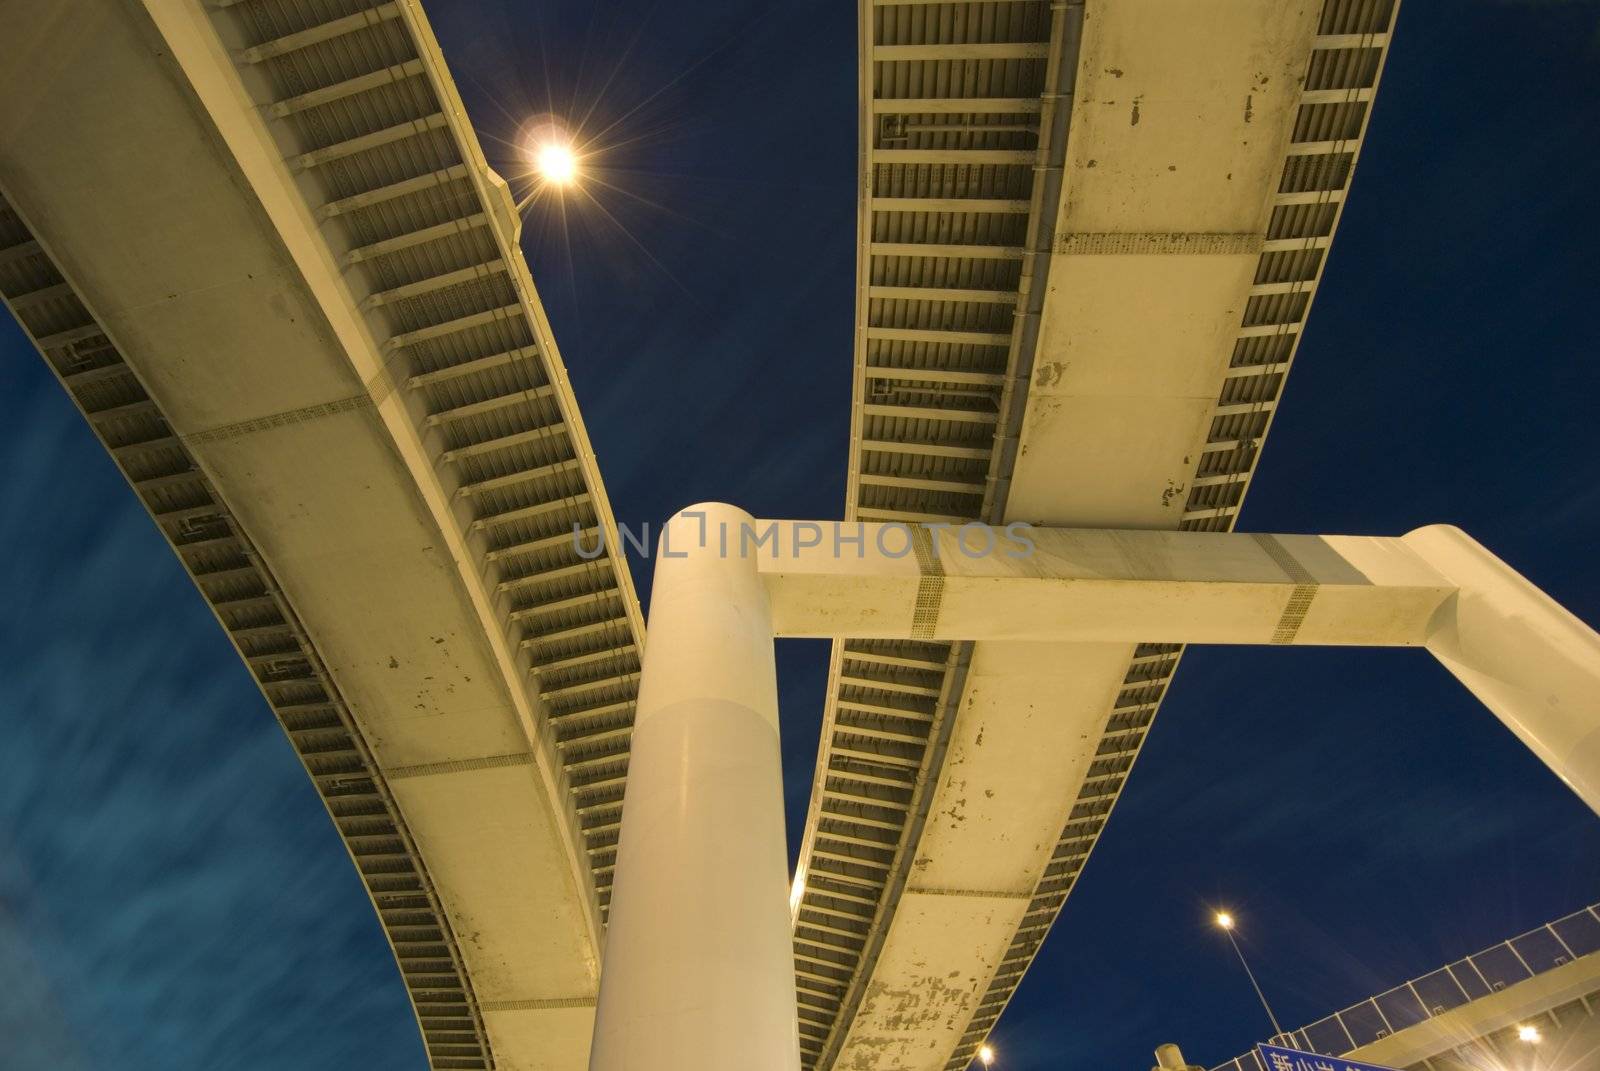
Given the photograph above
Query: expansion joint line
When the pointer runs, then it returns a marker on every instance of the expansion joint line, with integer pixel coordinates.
(1305, 588)
(930, 588)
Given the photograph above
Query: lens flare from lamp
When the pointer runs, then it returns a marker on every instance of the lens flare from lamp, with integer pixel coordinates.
(985, 1055)
(557, 163)
(549, 149)
(1530, 1034)
(1224, 920)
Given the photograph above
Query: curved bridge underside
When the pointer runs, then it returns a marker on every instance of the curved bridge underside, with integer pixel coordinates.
(1090, 234)
(295, 313)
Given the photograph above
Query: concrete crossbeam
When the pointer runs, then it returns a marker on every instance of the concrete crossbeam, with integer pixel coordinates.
(888, 581)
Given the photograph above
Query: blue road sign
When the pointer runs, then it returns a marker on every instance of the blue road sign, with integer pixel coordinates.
(1276, 1058)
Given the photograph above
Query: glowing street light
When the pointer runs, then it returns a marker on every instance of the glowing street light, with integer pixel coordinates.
(557, 163)
(1224, 920)
(1529, 1034)
(985, 1055)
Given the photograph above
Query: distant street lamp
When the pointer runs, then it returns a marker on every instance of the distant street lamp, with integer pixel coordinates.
(1225, 923)
(986, 1055)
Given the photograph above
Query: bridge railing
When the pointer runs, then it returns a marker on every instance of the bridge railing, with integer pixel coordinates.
(1439, 991)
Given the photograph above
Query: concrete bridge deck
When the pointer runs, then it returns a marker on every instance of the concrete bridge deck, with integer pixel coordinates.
(1090, 235)
(272, 268)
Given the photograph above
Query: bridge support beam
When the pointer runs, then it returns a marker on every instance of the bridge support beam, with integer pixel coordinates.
(698, 968)
(1530, 661)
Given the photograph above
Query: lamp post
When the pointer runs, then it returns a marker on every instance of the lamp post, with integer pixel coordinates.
(1225, 922)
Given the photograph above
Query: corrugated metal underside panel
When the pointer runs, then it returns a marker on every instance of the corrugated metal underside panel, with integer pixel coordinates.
(365, 116)
(251, 608)
(946, 246)
(956, 124)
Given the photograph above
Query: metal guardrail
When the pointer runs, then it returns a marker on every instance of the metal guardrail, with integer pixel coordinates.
(1451, 986)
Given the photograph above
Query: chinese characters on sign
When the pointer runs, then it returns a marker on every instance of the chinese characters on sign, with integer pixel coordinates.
(1280, 1059)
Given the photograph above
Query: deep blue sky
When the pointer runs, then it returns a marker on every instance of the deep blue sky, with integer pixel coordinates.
(172, 896)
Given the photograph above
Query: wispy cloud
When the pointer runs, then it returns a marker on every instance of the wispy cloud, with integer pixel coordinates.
(171, 892)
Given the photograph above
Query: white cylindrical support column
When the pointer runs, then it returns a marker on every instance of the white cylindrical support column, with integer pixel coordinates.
(1529, 660)
(698, 970)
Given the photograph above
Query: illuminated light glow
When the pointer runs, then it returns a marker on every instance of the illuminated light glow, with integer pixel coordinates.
(985, 1055)
(1530, 1034)
(557, 163)
(1224, 920)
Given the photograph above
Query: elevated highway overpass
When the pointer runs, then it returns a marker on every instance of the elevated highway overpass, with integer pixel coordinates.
(1090, 235)
(296, 314)
(271, 267)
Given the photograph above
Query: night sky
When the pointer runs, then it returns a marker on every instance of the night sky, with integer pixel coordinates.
(172, 894)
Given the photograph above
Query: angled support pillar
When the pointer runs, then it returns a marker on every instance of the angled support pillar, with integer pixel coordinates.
(1517, 649)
